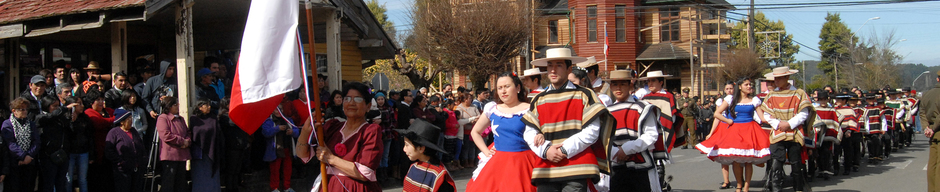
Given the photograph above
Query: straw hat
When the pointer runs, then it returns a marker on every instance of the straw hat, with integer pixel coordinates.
(781, 71)
(654, 74)
(531, 72)
(620, 75)
(92, 66)
(591, 61)
(557, 54)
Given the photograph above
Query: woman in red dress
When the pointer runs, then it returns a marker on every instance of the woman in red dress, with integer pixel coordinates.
(353, 147)
(743, 142)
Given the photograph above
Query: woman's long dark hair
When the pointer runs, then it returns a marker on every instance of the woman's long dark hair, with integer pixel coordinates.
(337, 92)
(736, 97)
(126, 100)
(522, 95)
(415, 102)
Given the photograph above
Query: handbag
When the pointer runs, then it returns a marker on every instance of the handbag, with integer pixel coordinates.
(59, 156)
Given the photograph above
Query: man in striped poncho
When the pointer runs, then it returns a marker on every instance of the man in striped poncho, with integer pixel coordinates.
(787, 110)
(851, 139)
(576, 127)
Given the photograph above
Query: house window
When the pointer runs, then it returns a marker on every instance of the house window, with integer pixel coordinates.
(669, 31)
(621, 22)
(553, 31)
(592, 23)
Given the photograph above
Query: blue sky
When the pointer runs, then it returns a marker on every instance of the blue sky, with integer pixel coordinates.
(915, 22)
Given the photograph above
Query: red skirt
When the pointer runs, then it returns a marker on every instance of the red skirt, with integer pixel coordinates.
(739, 143)
(507, 171)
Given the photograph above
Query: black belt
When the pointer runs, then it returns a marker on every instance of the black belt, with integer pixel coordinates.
(934, 140)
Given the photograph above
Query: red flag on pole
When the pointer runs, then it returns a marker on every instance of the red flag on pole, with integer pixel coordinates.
(268, 65)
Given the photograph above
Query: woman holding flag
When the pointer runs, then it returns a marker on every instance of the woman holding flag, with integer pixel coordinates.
(353, 147)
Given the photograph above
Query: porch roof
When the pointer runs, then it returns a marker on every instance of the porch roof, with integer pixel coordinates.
(662, 51)
(12, 11)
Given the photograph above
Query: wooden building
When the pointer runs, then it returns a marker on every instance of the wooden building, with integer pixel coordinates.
(683, 38)
(36, 33)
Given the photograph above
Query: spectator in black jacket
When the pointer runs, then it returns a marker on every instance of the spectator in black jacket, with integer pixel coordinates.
(112, 97)
(55, 127)
(37, 90)
(237, 145)
(80, 146)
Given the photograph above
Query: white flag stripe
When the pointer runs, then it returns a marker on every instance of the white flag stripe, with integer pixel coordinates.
(268, 62)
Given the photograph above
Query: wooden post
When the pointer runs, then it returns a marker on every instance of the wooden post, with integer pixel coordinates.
(316, 90)
(334, 51)
(118, 47)
(184, 56)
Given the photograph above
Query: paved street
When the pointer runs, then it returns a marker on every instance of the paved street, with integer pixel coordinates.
(692, 171)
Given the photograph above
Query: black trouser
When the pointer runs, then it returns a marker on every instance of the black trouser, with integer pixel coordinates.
(852, 148)
(99, 176)
(874, 146)
(836, 154)
(128, 181)
(232, 173)
(888, 140)
(780, 153)
(174, 177)
(53, 176)
(824, 157)
(22, 177)
(580, 185)
(623, 179)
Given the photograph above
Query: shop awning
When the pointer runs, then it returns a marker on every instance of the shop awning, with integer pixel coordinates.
(32, 18)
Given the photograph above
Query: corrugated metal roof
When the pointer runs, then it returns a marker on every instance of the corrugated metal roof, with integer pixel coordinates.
(555, 6)
(721, 3)
(21, 10)
(662, 51)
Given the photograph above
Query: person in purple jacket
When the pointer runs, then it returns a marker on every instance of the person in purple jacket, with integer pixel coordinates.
(279, 134)
(23, 141)
(125, 148)
(175, 139)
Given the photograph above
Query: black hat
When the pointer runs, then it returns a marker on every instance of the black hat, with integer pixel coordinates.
(822, 95)
(842, 96)
(880, 100)
(871, 95)
(428, 134)
(906, 89)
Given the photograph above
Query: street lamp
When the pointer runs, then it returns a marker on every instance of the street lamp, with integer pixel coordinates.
(921, 74)
(866, 22)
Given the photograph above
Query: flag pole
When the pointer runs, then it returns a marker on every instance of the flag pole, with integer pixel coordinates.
(315, 116)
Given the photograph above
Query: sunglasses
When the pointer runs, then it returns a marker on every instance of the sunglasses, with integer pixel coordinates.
(356, 99)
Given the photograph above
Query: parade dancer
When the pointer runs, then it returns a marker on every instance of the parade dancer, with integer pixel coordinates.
(900, 108)
(597, 84)
(831, 134)
(575, 126)
(851, 137)
(873, 128)
(787, 109)
(728, 90)
(911, 117)
(632, 164)
(532, 81)
(428, 172)
(887, 124)
(507, 166)
(669, 115)
(740, 141)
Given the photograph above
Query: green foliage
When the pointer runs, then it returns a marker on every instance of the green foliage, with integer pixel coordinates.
(379, 11)
(788, 49)
(835, 42)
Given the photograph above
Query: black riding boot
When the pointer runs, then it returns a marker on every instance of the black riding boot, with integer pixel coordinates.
(776, 176)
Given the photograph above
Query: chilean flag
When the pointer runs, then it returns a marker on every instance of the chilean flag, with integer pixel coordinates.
(269, 63)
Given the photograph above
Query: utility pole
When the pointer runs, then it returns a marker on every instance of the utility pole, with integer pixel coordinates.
(750, 27)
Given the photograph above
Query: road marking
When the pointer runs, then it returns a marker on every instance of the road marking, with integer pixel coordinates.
(901, 165)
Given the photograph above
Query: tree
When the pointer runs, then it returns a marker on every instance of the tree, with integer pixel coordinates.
(479, 38)
(406, 71)
(879, 62)
(379, 10)
(835, 43)
(787, 48)
(741, 63)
